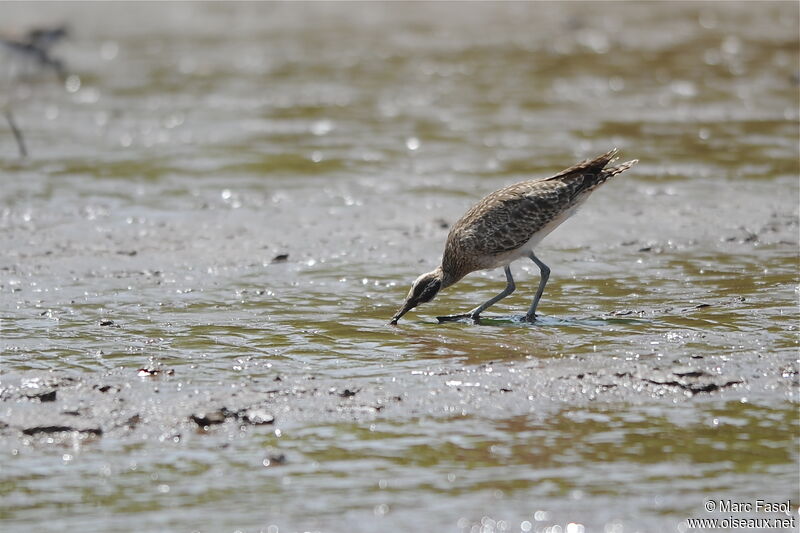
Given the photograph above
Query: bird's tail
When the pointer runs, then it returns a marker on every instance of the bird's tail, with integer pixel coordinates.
(592, 181)
(588, 166)
(613, 171)
(590, 174)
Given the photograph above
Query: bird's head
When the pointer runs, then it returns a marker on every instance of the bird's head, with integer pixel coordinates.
(423, 290)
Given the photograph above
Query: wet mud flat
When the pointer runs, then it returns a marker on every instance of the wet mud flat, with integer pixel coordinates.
(144, 371)
(120, 403)
(204, 362)
(200, 255)
(521, 423)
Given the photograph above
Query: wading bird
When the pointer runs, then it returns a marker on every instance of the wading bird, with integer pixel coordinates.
(506, 226)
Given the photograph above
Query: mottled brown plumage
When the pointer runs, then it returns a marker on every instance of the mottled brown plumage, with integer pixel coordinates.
(506, 225)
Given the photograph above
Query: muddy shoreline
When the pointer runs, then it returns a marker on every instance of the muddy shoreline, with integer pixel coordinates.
(218, 216)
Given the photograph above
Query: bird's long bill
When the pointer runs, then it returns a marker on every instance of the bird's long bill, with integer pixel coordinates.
(407, 306)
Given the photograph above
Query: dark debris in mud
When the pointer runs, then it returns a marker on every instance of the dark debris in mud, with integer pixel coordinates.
(345, 393)
(35, 430)
(275, 459)
(153, 372)
(733, 301)
(253, 415)
(210, 418)
(49, 396)
(695, 382)
(689, 380)
(111, 405)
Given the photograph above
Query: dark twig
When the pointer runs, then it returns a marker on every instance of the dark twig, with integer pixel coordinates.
(23, 152)
(35, 47)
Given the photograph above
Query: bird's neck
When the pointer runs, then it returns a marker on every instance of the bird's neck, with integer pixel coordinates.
(449, 276)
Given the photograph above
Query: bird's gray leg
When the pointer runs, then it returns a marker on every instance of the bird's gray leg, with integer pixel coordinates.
(475, 313)
(488, 303)
(544, 272)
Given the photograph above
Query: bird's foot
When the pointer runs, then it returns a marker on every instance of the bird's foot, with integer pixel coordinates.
(531, 317)
(457, 318)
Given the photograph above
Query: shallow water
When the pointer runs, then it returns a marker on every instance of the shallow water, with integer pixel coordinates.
(138, 277)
